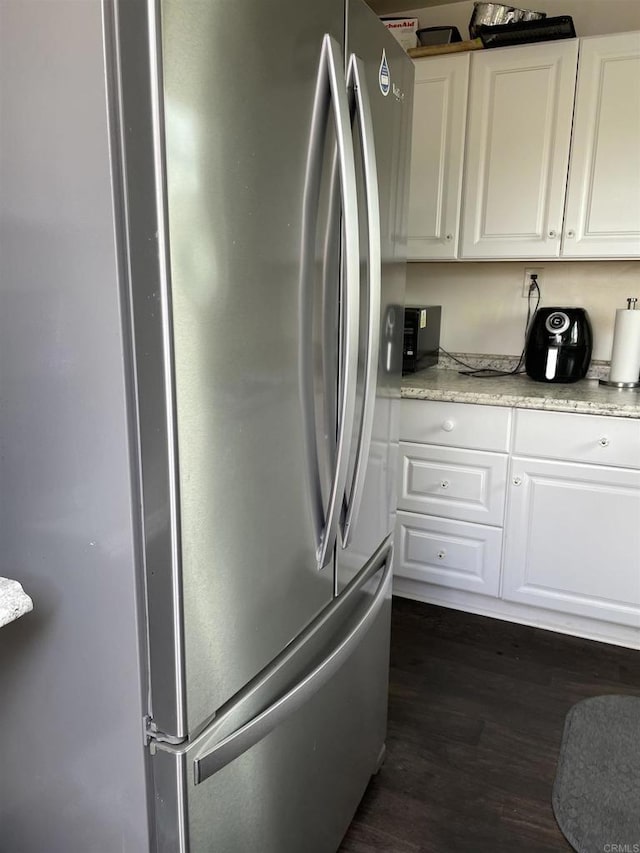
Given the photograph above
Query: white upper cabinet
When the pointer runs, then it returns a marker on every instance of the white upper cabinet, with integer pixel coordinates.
(603, 199)
(517, 150)
(440, 106)
(497, 171)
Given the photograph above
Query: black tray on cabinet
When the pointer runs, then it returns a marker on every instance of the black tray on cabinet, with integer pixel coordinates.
(527, 32)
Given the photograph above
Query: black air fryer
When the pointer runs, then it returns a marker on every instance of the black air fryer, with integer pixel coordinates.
(559, 345)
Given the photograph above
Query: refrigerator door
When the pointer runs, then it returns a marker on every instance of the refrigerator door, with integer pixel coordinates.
(283, 767)
(380, 77)
(232, 230)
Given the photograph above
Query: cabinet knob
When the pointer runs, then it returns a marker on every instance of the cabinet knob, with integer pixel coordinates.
(442, 554)
(449, 238)
(444, 484)
(604, 441)
(517, 481)
(571, 233)
(552, 234)
(447, 426)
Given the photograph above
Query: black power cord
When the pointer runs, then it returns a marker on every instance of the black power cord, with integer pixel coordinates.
(492, 372)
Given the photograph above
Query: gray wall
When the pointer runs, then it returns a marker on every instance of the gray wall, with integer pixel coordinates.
(72, 774)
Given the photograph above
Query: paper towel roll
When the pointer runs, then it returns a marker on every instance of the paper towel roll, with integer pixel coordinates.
(625, 355)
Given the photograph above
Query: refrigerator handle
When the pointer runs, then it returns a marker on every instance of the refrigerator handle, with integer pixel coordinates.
(238, 742)
(357, 80)
(349, 315)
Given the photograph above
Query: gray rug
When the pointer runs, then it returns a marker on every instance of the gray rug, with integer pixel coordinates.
(596, 796)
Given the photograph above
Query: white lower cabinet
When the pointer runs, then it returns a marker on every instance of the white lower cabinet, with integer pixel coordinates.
(566, 488)
(451, 494)
(572, 539)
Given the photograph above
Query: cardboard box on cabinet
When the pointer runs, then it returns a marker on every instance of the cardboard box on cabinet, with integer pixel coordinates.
(403, 30)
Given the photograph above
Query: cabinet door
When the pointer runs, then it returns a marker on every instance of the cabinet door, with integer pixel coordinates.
(603, 200)
(439, 116)
(572, 539)
(517, 150)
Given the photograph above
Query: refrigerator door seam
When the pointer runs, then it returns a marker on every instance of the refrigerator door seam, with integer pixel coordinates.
(311, 200)
(350, 313)
(357, 80)
(331, 75)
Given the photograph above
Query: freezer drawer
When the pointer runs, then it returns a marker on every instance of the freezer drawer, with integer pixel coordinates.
(283, 767)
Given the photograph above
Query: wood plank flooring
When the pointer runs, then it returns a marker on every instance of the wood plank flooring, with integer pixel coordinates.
(476, 714)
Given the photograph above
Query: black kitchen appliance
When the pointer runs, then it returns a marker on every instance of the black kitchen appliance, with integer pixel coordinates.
(429, 36)
(421, 337)
(559, 345)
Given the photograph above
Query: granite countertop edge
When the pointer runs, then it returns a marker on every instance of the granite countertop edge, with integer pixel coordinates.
(522, 402)
(584, 397)
(14, 601)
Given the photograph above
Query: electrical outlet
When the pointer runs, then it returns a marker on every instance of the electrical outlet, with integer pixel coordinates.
(526, 281)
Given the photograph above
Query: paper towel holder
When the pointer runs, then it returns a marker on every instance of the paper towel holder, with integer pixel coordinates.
(631, 305)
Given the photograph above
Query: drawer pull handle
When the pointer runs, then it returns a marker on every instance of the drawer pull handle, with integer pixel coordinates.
(517, 481)
(444, 484)
(442, 554)
(604, 441)
(571, 234)
(447, 426)
(449, 238)
(553, 234)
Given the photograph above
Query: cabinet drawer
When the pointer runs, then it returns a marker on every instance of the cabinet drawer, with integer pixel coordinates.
(578, 438)
(468, 485)
(455, 424)
(448, 553)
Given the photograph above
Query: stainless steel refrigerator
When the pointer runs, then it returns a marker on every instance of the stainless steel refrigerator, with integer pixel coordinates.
(203, 244)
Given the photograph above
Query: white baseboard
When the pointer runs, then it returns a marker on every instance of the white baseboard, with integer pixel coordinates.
(496, 608)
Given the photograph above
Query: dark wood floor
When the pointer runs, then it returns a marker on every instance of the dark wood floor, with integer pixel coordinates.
(476, 714)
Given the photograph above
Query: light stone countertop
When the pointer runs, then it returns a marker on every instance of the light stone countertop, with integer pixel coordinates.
(14, 601)
(585, 396)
